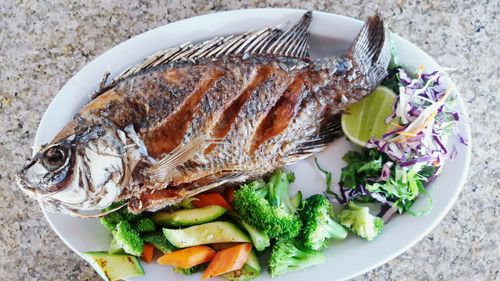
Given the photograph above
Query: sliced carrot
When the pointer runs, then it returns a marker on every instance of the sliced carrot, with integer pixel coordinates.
(228, 260)
(147, 252)
(188, 257)
(212, 198)
(229, 194)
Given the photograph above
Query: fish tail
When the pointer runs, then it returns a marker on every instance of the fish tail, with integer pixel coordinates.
(371, 49)
(363, 67)
(369, 55)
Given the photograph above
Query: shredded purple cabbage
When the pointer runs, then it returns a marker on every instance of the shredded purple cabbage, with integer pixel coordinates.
(419, 100)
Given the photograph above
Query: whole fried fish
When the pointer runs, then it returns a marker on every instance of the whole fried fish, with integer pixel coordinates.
(199, 116)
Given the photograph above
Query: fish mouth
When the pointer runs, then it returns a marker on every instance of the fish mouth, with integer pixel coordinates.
(24, 184)
(36, 189)
(33, 190)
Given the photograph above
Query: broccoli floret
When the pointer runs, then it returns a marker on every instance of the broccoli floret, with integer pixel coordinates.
(288, 224)
(279, 195)
(259, 238)
(287, 256)
(111, 220)
(359, 220)
(130, 217)
(317, 224)
(145, 225)
(128, 238)
(255, 210)
(190, 270)
(258, 186)
(276, 217)
(158, 240)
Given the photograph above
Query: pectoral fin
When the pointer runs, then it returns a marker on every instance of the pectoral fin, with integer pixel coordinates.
(162, 170)
(158, 199)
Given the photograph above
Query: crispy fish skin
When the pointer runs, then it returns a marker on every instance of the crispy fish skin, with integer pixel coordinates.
(197, 124)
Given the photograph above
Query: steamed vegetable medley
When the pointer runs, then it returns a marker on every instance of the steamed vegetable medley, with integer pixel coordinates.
(226, 234)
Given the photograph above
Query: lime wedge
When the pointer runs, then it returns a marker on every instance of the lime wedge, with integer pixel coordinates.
(366, 119)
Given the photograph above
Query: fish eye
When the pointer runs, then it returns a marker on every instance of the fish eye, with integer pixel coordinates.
(54, 158)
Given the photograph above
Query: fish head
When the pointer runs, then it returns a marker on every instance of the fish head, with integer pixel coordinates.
(79, 170)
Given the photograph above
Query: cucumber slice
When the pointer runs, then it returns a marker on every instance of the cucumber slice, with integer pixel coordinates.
(115, 247)
(188, 217)
(114, 267)
(208, 233)
(260, 240)
(296, 200)
(253, 261)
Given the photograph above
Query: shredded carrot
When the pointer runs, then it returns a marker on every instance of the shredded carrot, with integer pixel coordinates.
(399, 139)
(427, 122)
(396, 125)
(408, 134)
(446, 94)
(420, 70)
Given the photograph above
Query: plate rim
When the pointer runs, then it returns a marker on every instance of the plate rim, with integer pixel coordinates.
(435, 221)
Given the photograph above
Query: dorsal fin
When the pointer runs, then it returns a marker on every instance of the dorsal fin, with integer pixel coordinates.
(293, 43)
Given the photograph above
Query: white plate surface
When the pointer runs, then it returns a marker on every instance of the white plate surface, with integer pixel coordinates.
(331, 35)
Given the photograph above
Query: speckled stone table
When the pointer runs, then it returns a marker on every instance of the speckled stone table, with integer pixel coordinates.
(44, 43)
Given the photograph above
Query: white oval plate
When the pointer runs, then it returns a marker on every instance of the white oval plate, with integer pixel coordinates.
(331, 35)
